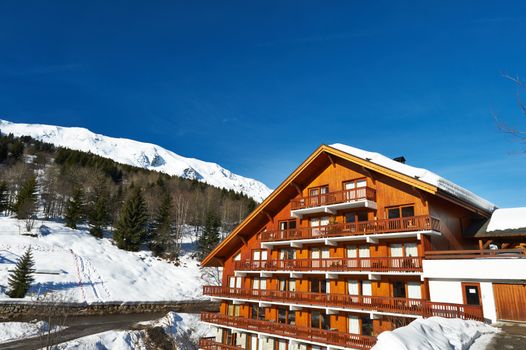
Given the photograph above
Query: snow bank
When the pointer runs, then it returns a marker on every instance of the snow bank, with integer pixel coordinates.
(139, 154)
(72, 265)
(174, 324)
(507, 219)
(435, 333)
(11, 331)
(418, 173)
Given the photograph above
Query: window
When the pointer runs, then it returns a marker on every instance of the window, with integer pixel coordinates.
(403, 249)
(258, 313)
(286, 316)
(287, 225)
(259, 283)
(287, 285)
(235, 282)
(401, 212)
(319, 286)
(287, 254)
(319, 320)
(233, 310)
(317, 225)
(367, 326)
(354, 189)
(258, 255)
(317, 195)
(237, 257)
(399, 289)
(353, 217)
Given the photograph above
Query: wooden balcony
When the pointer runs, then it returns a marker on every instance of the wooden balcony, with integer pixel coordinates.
(334, 201)
(477, 254)
(373, 264)
(372, 227)
(406, 306)
(211, 344)
(340, 339)
(334, 198)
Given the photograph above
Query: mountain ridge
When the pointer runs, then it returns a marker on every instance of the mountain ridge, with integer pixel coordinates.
(141, 154)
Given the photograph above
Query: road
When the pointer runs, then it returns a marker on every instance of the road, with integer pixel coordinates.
(82, 326)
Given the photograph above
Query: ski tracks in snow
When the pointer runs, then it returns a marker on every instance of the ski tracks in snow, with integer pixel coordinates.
(88, 275)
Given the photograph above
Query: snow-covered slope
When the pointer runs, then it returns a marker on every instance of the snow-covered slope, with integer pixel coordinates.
(72, 265)
(140, 154)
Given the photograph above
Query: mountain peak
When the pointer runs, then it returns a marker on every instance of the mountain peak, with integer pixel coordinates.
(140, 154)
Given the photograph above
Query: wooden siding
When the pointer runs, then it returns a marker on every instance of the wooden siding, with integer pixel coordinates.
(510, 301)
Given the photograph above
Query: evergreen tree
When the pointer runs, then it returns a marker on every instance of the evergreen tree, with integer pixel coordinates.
(21, 278)
(4, 197)
(26, 199)
(132, 227)
(210, 236)
(162, 231)
(99, 210)
(75, 208)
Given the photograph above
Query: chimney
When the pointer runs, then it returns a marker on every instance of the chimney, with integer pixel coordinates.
(400, 159)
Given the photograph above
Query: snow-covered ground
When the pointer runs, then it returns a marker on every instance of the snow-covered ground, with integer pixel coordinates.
(139, 154)
(11, 331)
(437, 333)
(74, 266)
(180, 327)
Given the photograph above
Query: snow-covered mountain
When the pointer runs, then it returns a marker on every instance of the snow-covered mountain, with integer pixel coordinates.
(140, 154)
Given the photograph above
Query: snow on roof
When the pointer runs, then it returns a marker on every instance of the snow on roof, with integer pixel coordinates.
(507, 219)
(421, 174)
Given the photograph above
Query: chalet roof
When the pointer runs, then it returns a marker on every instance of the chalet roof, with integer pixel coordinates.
(421, 174)
(505, 222)
(421, 179)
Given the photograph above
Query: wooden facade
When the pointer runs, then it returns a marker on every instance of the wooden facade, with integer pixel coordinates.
(334, 257)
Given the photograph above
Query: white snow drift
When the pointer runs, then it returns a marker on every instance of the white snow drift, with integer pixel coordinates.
(140, 154)
(437, 333)
(507, 219)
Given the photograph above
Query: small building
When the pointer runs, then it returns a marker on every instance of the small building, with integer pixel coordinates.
(351, 244)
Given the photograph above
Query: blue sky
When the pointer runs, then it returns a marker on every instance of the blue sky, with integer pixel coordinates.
(257, 85)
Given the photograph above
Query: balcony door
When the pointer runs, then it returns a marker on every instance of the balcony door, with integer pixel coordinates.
(414, 290)
(319, 320)
(317, 225)
(253, 342)
(353, 324)
(317, 254)
(367, 291)
(354, 189)
(319, 286)
(403, 213)
(287, 229)
(318, 196)
(235, 282)
(353, 289)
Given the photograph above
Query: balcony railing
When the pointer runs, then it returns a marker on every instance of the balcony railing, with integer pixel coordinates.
(211, 344)
(323, 336)
(374, 303)
(373, 264)
(355, 194)
(408, 224)
(519, 253)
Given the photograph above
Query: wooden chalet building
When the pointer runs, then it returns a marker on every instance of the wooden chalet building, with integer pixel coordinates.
(335, 255)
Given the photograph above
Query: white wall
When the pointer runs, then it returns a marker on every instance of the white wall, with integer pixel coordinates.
(476, 269)
(451, 292)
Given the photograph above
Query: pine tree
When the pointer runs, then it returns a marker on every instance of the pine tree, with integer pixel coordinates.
(162, 231)
(21, 278)
(26, 199)
(75, 208)
(99, 210)
(4, 197)
(132, 227)
(210, 236)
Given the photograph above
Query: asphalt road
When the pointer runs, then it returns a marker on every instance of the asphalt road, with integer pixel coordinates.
(82, 326)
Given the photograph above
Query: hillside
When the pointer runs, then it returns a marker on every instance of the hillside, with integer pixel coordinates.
(139, 154)
(72, 265)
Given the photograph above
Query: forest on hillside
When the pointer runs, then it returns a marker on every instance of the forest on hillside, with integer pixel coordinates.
(139, 206)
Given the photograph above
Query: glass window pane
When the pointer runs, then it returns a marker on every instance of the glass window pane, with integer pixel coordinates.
(408, 211)
(393, 213)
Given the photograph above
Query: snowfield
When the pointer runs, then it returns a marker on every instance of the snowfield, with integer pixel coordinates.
(74, 266)
(437, 333)
(139, 154)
